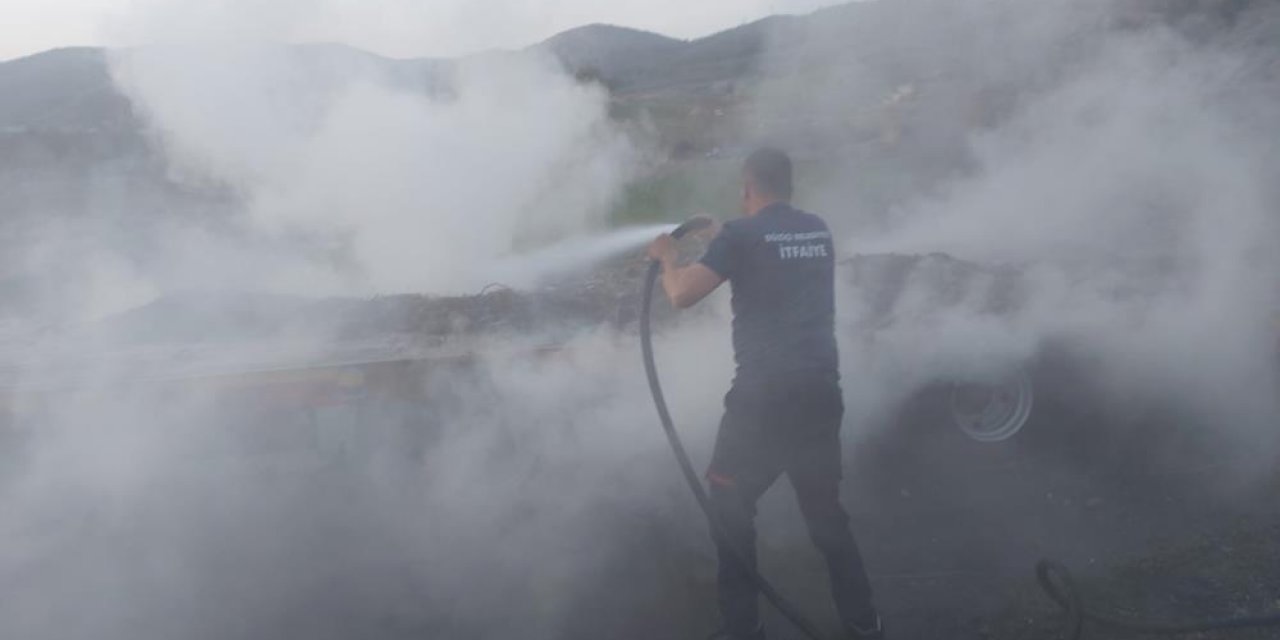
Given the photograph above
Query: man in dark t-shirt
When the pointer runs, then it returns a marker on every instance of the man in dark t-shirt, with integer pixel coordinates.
(783, 412)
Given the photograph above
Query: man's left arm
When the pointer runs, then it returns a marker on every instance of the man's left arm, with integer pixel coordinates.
(685, 285)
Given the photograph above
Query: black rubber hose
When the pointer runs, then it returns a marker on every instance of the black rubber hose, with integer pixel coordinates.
(1058, 584)
(786, 608)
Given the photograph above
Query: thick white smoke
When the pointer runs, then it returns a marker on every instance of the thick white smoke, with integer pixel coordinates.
(1119, 163)
(1139, 200)
(1129, 186)
(476, 513)
(176, 512)
(422, 191)
(496, 502)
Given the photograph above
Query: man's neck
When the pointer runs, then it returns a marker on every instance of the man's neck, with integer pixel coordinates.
(763, 206)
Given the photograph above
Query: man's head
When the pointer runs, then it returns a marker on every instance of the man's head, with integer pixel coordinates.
(766, 179)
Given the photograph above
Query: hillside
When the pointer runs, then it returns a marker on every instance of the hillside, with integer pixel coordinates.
(70, 89)
(892, 92)
(617, 53)
(63, 89)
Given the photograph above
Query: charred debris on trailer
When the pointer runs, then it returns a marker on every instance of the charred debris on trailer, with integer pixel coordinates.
(215, 334)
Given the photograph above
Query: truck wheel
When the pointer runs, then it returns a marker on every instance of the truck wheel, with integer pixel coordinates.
(992, 412)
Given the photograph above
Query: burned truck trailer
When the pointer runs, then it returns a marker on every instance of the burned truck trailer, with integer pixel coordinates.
(318, 366)
(293, 371)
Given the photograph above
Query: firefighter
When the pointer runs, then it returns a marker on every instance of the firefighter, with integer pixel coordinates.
(784, 409)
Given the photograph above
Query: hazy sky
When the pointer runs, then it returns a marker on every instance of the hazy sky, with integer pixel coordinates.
(392, 27)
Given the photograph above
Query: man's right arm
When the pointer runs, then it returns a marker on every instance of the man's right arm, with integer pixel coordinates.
(688, 285)
(685, 286)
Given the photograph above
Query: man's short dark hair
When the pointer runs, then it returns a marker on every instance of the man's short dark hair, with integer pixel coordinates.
(770, 171)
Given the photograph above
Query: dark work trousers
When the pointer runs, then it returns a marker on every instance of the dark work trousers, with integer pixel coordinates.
(791, 427)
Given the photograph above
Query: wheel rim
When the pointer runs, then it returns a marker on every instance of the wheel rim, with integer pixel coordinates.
(992, 412)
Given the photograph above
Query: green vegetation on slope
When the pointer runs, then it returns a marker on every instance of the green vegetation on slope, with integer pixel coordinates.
(677, 191)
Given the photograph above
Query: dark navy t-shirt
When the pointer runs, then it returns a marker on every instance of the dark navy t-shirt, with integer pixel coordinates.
(780, 264)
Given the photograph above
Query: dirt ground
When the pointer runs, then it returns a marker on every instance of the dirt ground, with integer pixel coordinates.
(951, 530)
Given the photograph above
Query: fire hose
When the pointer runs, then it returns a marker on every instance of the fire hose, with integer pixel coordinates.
(786, 608)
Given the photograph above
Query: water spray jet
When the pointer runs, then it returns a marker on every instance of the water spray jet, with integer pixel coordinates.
(564, 257)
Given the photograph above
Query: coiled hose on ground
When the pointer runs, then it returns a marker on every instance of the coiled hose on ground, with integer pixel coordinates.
(1060, 586)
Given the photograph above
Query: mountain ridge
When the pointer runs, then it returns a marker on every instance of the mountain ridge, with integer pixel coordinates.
(626, 58)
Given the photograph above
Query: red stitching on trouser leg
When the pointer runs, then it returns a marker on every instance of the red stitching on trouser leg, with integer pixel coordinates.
(720, 480)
